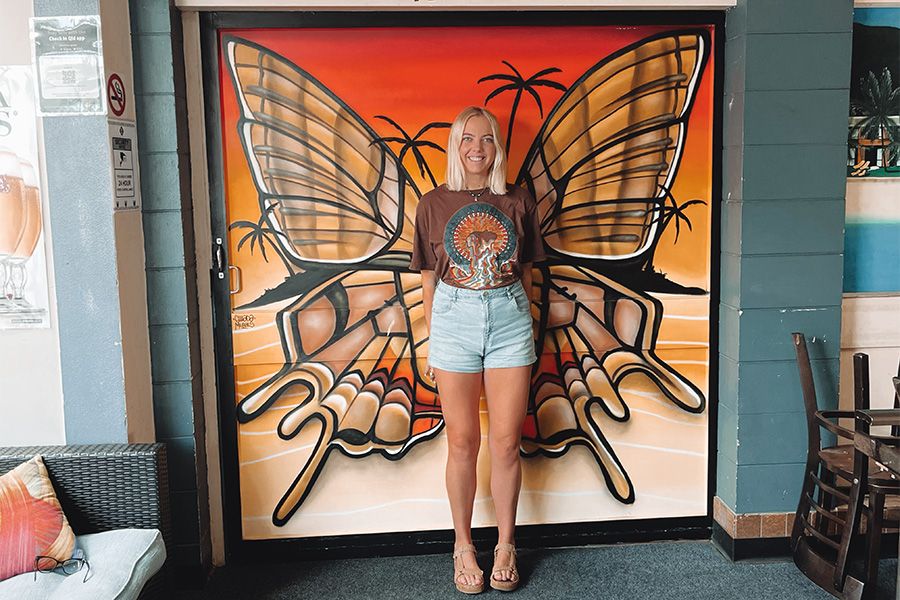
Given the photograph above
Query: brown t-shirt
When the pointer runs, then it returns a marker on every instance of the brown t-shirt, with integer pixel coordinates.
(476, 243)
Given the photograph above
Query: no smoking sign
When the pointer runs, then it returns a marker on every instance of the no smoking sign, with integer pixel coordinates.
(115, 94)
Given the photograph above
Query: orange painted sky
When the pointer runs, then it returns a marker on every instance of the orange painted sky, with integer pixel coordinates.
(421, 75)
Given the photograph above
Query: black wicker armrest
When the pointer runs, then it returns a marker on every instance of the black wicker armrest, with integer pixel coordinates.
(104, 487)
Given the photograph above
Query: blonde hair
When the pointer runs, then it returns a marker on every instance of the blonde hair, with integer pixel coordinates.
(456, 175)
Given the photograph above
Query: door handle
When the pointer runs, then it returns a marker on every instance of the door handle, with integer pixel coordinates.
(237, 280)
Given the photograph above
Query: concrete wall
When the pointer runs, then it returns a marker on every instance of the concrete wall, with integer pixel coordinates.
(31, 400)
(103, 347)
(86, 379)
(80, 184)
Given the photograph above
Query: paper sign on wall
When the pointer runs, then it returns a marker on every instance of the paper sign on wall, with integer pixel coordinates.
(126, 183)
(68, 59)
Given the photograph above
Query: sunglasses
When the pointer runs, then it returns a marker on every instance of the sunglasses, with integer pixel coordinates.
(48, 564)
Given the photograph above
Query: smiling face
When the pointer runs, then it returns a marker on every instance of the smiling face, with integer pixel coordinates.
(477, 151)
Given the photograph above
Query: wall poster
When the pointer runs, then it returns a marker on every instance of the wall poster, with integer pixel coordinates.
(24, 297)
(328, 146)
(874, 137)
(68, 63)
(872, 226)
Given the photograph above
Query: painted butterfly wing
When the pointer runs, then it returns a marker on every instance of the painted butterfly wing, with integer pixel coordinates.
(357, 366)
(353, 332)
(601, 169)
(335, 192)
(603, 162)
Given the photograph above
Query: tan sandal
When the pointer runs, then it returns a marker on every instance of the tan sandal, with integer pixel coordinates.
(466, 588)
(511, 584)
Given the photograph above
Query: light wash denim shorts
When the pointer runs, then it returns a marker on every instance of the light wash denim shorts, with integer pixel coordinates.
(473, 330)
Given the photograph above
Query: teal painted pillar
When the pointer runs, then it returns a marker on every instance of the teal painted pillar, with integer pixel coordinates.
(172, 274)
(787, 76)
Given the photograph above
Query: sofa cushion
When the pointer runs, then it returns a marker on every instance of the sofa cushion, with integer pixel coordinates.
(32, 522)
(121, 561)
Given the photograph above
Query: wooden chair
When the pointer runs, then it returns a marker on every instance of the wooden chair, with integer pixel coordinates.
(895, 429)
(824, 539)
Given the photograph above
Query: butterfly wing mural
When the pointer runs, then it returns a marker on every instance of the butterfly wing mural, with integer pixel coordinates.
(339, 207)
(601, 170)
(344, 210)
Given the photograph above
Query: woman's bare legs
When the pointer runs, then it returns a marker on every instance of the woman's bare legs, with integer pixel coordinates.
(507, 397)
(460, 397)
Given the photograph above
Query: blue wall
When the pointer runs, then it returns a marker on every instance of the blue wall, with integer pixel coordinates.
(171, 273)
(787, 71)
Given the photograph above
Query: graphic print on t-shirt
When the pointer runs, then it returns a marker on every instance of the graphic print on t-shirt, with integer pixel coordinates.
(481, 243)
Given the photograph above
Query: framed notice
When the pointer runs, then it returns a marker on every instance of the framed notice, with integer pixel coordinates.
(68, 63)
(126, 181)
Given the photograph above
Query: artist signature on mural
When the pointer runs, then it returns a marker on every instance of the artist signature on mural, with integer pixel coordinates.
(243, 321)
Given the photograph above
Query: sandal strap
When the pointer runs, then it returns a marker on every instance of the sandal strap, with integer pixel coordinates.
(464, 549)
(502, 546)
(511, 567)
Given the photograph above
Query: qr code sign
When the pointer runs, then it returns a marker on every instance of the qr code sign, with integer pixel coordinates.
(69, 76)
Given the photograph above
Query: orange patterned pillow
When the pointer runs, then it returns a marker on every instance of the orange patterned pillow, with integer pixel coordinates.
(32, 522)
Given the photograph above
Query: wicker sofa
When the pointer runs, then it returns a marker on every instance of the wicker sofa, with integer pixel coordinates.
(108, 487)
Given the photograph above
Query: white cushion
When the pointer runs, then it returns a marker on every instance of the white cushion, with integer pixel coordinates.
(121, 563)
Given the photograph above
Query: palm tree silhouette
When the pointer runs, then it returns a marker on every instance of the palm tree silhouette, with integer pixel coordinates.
(520, 84)
(261, 232)
(880, 100)
(414, 143)
(671, 211)
(677, 212)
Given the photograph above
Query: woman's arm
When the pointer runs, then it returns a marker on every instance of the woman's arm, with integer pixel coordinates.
(526, 280)
(428, 283)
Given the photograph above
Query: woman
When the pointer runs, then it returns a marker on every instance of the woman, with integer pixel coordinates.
(475, 242)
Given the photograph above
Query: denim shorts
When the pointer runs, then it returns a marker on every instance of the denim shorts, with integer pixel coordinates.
(473, 330)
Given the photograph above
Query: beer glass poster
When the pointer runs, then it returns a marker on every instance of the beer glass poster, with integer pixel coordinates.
(23, 268)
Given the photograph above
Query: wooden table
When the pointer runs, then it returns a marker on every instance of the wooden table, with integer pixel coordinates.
(885, 454)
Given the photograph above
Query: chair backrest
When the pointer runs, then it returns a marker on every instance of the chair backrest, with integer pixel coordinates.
(808, 388)
(819, 551)
(861, 381)
(895, 430)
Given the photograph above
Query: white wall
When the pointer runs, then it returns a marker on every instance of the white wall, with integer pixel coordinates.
(871, 322)
(31, 403)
